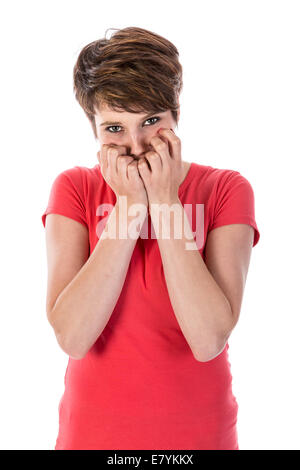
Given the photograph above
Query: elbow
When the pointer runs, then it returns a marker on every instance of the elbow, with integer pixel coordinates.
(69, 346)
(210, 352)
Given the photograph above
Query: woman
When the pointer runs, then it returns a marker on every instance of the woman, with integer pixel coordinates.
(145, 318)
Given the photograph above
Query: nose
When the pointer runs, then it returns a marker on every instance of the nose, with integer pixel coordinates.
(136, 145)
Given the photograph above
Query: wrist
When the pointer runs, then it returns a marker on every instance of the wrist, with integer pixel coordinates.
(135, 206)
(166, 202)
(130, 200)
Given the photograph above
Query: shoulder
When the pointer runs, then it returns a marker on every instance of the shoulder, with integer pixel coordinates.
(217, 180)
(81, 178)
(79, 173)
(215, 174)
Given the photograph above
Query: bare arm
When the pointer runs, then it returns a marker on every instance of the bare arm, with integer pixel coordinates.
(206, 296)
(208, 302)
(85, 305)
(82, 293)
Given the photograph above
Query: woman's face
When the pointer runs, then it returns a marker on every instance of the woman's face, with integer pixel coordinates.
(134, 131)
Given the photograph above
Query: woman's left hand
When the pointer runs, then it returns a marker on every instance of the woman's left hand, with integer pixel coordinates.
(162, 181)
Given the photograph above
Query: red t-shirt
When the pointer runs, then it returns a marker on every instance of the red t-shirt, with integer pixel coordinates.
(139, 386)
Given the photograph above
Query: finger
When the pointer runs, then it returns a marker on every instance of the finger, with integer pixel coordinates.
(113, 153)
(123, 162)
(143, 168)
(132, 171)
(174, 142)
(154, 161)
(161, 147)
(102, 158)
(112, 157)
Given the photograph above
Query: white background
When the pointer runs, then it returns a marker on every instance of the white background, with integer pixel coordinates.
(239, 110)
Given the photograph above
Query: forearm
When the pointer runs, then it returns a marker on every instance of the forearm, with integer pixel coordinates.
(201, 308)
(84, 307)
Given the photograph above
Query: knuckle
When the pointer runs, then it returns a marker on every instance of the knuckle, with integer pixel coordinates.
(153, 155)
(112, 152)
(123, 160)
(161, 146)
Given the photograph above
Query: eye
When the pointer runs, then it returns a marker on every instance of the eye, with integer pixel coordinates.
(112, 127)
(155, 117)
(117, 132)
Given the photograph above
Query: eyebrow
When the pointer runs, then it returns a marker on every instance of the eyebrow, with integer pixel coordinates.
(117, 123)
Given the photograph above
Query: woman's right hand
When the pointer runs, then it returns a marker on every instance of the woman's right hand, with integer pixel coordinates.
(121, 173)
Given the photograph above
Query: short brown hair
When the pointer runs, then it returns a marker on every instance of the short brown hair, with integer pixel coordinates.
(135, 70)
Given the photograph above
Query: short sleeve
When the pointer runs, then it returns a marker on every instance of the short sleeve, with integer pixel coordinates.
(235, 203)
(66, 197)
